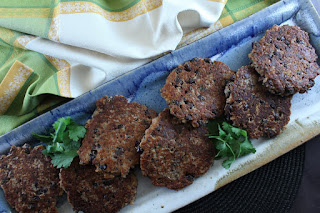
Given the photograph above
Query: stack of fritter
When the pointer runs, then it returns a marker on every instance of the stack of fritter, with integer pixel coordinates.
(175, 147)
(106, 183)
(283, 63)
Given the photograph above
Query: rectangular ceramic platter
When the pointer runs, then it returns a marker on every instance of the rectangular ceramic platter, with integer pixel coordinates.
(230, 45)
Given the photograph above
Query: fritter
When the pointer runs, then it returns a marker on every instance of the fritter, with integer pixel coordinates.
(89, 191)
(173, 153)
(113, 133)
(194, 90)
(251, 107)
(29, 181)
(285, 60)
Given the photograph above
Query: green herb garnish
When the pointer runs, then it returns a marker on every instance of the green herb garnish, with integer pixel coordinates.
(230, 142)
(63, 144)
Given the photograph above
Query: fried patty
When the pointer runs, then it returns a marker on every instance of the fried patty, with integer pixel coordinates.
(113, 133)
(194, 90)
(285, 60)
(90, 192)
(29, 181)
(173, 153)
(251, 107)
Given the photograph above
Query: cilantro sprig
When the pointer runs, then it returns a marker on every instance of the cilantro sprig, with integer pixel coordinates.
(63, 144)
(230, 142)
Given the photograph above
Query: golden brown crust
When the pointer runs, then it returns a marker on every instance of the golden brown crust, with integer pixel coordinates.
(113, 133)
(251, 107)
(90, 192)
(29, 180)
(194, 90)
(285, 60)
(174, 153)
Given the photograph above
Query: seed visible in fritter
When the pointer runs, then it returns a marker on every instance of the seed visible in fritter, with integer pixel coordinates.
(251, 107)
(175, 153)
(29, 180)
(90, 192)
(112, 135)
(194, 90)
(285, 60)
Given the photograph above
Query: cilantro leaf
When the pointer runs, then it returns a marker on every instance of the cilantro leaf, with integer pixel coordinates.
(227, 163)
(229, 141)
(76, 132)
(60, 121)
(63, 144)
(246, 147)
(63, 159)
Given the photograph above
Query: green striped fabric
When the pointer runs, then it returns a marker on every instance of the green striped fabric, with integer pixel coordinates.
(111, 5)
(240, 9)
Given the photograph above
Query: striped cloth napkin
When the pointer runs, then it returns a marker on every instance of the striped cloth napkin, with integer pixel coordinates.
(55, 50)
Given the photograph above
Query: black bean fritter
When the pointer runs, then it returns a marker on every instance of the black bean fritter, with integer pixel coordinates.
(113, 133)
(29, 180)
(194, 90)
(173, 153)
(285, 60)
(90, 192)
(251, 107)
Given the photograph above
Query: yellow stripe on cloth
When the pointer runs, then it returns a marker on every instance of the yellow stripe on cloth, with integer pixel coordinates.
(74, 7)
(225, 21)
(63, 75)
(220, 1)
(12, 84)
(140, 8)
(54, 27)
(249, 10)
(24, 12)
(22, 41)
